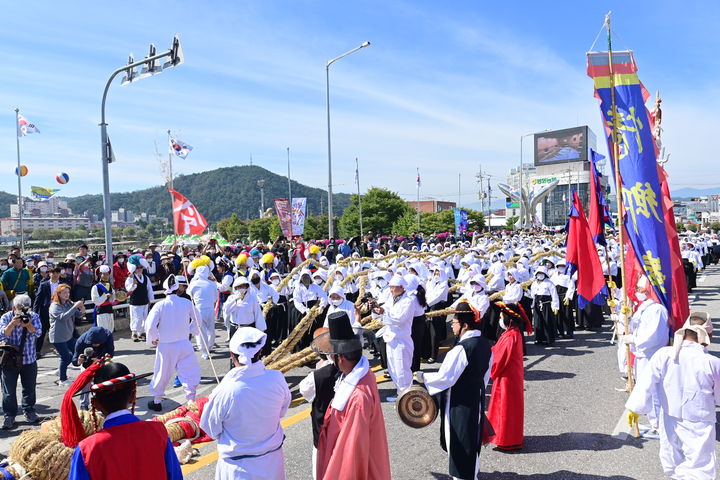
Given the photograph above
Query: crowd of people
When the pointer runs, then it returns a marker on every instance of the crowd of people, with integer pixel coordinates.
(491, 292)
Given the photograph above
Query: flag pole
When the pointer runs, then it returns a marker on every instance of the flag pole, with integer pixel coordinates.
(20, 202)
(172, 186)
(290, 197)
(624, 308)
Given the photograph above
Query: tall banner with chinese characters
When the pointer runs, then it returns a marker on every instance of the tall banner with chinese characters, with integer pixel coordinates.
(298, 215)
(282, 207)
(642, 210)
(187, 218)
(461, 221)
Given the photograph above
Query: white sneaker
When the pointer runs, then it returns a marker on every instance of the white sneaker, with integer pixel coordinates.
(64, 383)
(56, 372)
(74, 367)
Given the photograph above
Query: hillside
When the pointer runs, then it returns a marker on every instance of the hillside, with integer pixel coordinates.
(6, 199)
(217, 194)
(682, 193)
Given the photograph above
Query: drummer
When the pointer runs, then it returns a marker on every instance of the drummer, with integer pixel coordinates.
(461, 380)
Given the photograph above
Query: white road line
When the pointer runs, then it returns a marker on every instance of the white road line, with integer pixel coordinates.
(702, 278)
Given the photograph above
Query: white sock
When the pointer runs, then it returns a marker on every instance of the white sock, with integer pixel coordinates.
(157, 399)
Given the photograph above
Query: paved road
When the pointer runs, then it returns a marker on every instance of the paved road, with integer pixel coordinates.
(572, 410)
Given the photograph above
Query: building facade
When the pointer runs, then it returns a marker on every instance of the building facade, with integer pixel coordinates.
(11, 225)
(431, 206)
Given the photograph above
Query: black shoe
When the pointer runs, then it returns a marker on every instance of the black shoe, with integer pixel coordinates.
(8, 423)
(32, 418)
(157, 407)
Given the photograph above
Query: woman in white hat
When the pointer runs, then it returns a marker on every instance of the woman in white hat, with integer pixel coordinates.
(103, 296)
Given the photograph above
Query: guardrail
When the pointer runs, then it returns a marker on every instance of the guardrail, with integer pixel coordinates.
(159, 295)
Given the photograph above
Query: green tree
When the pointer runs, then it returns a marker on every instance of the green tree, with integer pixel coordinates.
(381, 208)
(263, 229)
(128, 232)
(476, 220)
(510, 223)
(232, 228)
(692, 227)
(405, 225)
(715, 226)
(40, 234)
(316, 228)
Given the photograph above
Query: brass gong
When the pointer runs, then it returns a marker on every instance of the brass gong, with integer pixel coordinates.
(416, 408)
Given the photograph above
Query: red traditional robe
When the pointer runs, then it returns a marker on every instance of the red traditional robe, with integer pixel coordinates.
(353, 444)
(506, 412)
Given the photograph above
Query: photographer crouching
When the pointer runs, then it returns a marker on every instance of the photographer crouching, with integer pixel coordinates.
(19, 329)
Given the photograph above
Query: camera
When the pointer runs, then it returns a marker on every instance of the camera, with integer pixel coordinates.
(367, 298)
(24, 314)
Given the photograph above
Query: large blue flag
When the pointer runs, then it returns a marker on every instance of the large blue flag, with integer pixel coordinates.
(641, 193)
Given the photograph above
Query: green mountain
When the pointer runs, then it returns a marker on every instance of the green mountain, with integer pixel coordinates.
(6, 199)
(217, 194)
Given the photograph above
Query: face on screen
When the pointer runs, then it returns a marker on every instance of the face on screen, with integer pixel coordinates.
(555, 148)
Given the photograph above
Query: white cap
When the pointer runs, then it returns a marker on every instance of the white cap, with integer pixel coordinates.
(398, 281)
(102, 268)
(338, 290)
(247, 335)
(240, 281)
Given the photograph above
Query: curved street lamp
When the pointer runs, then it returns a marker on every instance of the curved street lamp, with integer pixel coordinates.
(327, 89)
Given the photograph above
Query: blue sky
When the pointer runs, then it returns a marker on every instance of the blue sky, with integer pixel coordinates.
(445, 86)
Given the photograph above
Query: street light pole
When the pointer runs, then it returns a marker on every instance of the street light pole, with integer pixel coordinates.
(357, 179)
(327, 95)
(176, 58)
(522, 219)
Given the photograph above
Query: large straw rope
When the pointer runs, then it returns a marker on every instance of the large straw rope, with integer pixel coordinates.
(42, 454)
(289, 343)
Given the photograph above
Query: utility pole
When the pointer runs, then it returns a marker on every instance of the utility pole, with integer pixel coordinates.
(481, 195)
(321, 205)
(489, 203)
(261, 184)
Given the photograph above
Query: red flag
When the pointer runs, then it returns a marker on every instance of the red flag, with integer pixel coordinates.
(680, 304)
(187, 219)
(582, 256)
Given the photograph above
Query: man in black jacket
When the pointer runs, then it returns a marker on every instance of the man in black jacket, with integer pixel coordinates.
(41, 305)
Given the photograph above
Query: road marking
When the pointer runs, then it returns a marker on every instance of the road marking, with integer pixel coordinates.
(212, 457)
(702, 278)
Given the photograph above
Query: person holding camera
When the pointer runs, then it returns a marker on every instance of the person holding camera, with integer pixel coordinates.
(19, 328)
(62, 334)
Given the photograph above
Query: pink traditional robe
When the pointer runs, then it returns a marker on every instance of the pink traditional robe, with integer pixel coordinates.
(353, 444)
